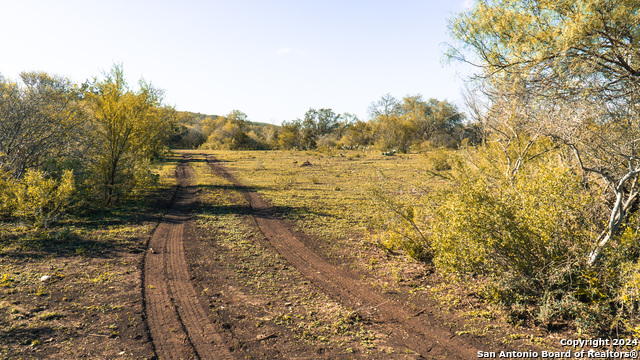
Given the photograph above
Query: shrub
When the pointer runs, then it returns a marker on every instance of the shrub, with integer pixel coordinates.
(520, 232)
(526, 236)
(400, 219)
(40, 199)
(536, 222)
(132, 180)
(439, 160)
(7, 195)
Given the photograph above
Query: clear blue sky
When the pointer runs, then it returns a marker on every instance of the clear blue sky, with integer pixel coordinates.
(272, 60)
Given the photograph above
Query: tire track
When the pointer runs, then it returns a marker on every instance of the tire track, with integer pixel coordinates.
(178, 324)
(417, 332)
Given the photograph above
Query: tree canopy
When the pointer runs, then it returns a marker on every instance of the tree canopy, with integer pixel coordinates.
(128, 127)
(569, 70)
(38, 121)
(414, 121)
(557, 47)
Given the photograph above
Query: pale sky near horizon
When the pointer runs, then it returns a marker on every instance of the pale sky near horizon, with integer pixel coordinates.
(272, 60)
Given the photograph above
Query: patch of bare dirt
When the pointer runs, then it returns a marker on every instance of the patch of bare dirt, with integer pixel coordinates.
(74, 290)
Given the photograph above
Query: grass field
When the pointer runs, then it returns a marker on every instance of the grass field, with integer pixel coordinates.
(336, 185)
(332, 200)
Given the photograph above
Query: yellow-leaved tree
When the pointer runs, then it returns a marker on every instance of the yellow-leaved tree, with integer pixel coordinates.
(129, 127)
(545, 211)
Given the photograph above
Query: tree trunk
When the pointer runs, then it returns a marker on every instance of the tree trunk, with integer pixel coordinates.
(619, 214)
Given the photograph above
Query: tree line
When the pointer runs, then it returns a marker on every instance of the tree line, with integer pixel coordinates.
(410, 124)
(64, 143)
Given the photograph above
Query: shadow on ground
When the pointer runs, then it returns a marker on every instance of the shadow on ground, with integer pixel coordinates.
(69, 237)
(39, 244)
(285, 212)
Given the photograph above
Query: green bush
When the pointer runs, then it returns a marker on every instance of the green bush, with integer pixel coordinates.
(7, 195)
(536, 222)
(134, 179)
(439, 160)
(527, 236)
(518, 224)
(40, 199)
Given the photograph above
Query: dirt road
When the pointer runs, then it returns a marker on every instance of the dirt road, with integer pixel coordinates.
(417, 331)
(181, 328)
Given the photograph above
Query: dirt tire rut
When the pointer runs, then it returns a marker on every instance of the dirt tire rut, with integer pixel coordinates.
(418, 332)
(179, 326)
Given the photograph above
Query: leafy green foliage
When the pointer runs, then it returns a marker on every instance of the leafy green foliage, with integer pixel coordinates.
(523, 236)
(188, 130)
(128, 128)
(42, 199)
(414, 121)
(413, 124)
(572, 45)
(519, 235)
(60, 141)
(318, 128)
(524, 233)
(536, 222)
(568, 70)
(37, 198)
(358, 134)
(289, 137)
(231, 132)
(318, 124)
(7, 195)
(439, 160)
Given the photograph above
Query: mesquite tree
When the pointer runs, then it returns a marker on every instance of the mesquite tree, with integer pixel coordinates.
(39, 121)
(571, 70)
(128, 127)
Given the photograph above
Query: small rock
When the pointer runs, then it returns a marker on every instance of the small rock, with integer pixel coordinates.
(45, 278)
(306, 163)
(261, 337)
(121, 353)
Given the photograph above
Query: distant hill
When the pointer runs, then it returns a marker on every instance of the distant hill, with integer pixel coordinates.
(194, 130)
(193, 118)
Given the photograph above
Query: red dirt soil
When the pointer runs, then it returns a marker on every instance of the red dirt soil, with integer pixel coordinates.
(179, 326)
